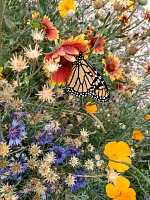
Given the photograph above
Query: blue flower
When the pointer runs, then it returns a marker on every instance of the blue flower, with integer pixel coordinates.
(73, 151)
(60, 154)
(19, 115)
(16, 133)
(79, 180)
(20, 160)
(45, 137)
(4, 173)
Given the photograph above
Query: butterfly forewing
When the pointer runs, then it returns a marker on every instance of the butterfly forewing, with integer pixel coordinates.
(84, 80)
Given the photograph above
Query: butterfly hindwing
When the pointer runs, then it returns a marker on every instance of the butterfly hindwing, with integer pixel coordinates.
(85, 81)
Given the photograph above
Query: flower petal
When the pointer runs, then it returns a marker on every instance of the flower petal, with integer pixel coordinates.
(123, 149)
(122, 182)
(110, 149)
(120, 167)
(61, 76)
(111, 191)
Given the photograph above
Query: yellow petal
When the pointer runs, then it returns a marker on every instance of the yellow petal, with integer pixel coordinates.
(137, 135)
(123, 149)
(122, 182)
(1, 69)
(110, 149)
(111, 191)
(120, 167)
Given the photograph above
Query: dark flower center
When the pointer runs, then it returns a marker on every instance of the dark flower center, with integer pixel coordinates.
(110, 67)
(58, 153)
(13, 132)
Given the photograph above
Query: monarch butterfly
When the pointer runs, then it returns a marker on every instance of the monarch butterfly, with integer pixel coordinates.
(85, 81)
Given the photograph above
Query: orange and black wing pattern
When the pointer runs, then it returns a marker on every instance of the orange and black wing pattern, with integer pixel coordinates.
(85, 81)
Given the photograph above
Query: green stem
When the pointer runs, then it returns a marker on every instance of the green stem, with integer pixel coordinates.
(18, 75)
(3, 13)
(1, 133)
(97, 120)
(135, 169)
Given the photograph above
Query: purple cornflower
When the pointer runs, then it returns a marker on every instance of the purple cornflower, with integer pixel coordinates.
(16, 133)
(4, 173)
(73, 151)
(60, 154)
(79, 180)
(45, 137)
(19, 115)
(18, 166)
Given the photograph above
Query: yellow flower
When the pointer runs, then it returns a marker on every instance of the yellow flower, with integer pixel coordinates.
(91, 108)
(118, 151)
(120, 190)
(137, 135)
(35, 15)
(147, 117)
(1, 69)
(66, 8)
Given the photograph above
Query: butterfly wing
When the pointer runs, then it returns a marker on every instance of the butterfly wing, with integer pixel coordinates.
(85, 81)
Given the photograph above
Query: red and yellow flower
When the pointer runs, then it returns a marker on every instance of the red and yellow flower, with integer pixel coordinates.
(96, 43)
(118, 151)
(147, 68)
(120, 190)
(111, 64)
(119, 86)
(125, 19)
(35, 15)
(137, 135)
(147, 15)
(50, 32)
(66, 54)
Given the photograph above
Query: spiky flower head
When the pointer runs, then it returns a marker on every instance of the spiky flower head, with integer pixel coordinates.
(46, 94)
(18, 63)
(70, 180)
(38, 36)
(33, 54)
(74, 161)
(4, 149)
(35, 150)
(111, 175)
(89, 165)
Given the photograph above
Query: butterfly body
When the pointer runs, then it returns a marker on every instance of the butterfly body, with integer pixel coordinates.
(85, 81)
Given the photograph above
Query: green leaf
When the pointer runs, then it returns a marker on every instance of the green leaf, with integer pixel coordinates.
(15, 35)
(7, 25)
(12, 41)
